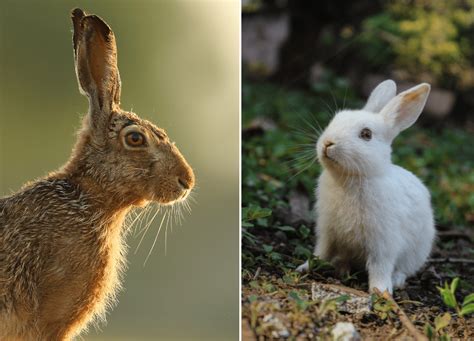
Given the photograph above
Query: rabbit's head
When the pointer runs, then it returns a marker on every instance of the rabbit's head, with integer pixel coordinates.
(127, 157)
(357, 142)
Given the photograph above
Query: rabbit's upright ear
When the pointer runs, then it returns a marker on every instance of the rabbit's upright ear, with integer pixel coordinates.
(381, 95)
(403, 110)
(95, 55)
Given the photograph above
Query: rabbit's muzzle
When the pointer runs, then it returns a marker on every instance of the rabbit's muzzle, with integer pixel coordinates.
(328, 147)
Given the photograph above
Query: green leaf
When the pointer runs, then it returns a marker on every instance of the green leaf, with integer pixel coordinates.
(448, 297)
(454, 285)
(429, 331)
(294, 295)
(468, 299)
(301, 251)
(304, 231)
(467, 309)
(252, 298)
(286, 228)
(254, 284)
(255, 212)
(442, 321)
(267, 248)
(343, 298)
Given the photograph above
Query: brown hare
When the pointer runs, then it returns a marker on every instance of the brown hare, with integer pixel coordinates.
(62, 237)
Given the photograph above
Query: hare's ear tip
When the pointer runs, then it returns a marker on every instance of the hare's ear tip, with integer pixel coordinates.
(98, 22)
(77, 13)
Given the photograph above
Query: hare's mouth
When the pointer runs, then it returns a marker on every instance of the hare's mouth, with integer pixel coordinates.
(176, 197)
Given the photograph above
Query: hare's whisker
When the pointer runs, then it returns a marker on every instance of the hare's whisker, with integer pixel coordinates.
(147, 226)
(156, 237)
(145, 220)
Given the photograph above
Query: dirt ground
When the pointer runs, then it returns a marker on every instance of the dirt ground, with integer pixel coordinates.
(278, 305)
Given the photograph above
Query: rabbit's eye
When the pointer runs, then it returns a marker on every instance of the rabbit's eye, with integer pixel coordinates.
(134, 139)
(365, 134)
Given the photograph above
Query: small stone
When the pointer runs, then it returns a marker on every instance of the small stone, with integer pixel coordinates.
(345, 331)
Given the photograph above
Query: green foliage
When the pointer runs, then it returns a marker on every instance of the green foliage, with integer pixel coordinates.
(448, 294)
(421, 37)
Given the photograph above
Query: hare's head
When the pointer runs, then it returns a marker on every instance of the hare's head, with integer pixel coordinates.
(358, 142)
(129, 157)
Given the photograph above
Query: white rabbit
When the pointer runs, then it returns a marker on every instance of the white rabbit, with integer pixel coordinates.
(370, 212)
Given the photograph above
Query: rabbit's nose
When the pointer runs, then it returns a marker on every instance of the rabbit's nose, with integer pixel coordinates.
(326, 146)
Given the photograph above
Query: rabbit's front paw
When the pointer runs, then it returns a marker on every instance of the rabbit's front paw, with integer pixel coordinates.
(303, 267)
(380, 275)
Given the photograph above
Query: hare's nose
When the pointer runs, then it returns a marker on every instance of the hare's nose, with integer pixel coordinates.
(184, 183)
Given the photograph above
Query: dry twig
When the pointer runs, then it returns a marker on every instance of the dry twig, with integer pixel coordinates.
(402, 316)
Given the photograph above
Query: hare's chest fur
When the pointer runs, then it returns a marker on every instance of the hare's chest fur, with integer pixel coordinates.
(73, 271)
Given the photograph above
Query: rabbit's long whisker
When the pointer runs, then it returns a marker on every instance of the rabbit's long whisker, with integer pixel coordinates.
(304, 169)
(315, 129)
(334, 100)
(327, 105)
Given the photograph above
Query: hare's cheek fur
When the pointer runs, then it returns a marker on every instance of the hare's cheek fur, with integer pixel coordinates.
(171, 178)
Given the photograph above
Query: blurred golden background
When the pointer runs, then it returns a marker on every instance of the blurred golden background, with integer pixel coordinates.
(179, 64)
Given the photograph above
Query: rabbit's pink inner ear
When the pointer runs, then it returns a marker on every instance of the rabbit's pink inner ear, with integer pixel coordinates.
(402, 111)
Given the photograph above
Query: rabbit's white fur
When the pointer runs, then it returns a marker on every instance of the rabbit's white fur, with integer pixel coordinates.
(370, 212)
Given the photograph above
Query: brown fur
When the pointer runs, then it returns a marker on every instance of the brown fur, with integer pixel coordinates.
(61, 237)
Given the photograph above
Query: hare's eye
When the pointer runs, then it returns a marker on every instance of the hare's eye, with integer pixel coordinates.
(365, 134)
(134, 139)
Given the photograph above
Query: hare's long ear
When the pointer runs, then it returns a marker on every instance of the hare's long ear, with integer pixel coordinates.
(95, 56)
(381, 95)
(403, 110)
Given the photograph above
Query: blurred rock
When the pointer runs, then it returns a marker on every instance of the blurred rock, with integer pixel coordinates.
(439, 104)
(316, 73)
(345, 331)
(299, 208)
(262, 36)
(279, 329)
(357, 302)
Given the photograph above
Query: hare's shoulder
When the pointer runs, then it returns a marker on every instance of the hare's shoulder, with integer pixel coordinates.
(43, 199)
